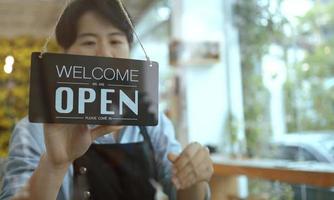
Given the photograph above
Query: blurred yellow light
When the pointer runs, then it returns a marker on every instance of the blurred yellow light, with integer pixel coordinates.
(9, 60)
(305, 67)
(8, 67)
(327, 50)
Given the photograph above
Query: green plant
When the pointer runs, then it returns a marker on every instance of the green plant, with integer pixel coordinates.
(14, 87)
(259, 27)
(310, 86)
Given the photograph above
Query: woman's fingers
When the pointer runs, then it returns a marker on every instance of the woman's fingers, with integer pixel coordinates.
(186, 156)
(192, 166)
(201, 174)
(104, 129)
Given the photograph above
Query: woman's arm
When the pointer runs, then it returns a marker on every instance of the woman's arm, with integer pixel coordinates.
(64, 143)
(45, 181)
(197, 191)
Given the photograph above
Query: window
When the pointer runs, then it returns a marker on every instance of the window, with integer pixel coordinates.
(287, 67)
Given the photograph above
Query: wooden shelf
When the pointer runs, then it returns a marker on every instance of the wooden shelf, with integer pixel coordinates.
(310, 173)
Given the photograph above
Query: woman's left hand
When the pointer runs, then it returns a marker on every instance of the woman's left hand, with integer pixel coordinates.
(192, 166)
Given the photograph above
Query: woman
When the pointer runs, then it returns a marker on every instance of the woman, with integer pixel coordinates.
(41, 155)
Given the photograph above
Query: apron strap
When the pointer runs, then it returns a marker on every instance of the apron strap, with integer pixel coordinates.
(143, 132)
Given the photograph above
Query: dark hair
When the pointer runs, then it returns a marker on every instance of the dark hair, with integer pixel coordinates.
(67, 28)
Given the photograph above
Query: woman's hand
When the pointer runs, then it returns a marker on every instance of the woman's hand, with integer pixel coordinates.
(192, 166)
(66, 142)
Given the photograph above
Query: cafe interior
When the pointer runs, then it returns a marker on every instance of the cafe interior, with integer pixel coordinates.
(250, 80)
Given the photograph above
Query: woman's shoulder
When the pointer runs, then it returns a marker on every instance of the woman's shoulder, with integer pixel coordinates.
(26, 132)
(164, 123)
(163, 135)
(27, 127)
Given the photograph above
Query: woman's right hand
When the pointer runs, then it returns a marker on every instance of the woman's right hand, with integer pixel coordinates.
(67, 142)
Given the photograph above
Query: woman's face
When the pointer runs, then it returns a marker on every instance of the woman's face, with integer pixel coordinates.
(98, 37)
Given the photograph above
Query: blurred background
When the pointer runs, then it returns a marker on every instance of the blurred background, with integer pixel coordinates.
(251, 79)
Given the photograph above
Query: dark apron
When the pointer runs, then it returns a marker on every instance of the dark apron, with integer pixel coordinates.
(116, 171)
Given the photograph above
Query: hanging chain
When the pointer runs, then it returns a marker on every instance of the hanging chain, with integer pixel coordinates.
(51, 34)
(134, 31)
(67, 2)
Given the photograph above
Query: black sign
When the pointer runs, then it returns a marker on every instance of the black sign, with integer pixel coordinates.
(93, 90)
